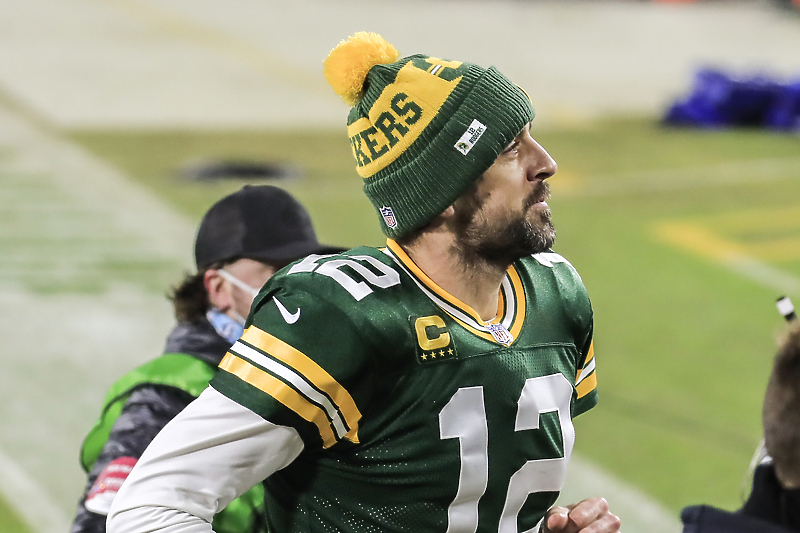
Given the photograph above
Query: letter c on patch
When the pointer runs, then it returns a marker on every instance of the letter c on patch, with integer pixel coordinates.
(422, 325)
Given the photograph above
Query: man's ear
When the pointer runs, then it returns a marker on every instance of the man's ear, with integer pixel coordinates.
(442, 219)
(218, 294)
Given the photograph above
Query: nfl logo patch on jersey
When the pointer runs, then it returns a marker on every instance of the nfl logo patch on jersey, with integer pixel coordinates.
(434, 342)
(501, 334)
(388, 217)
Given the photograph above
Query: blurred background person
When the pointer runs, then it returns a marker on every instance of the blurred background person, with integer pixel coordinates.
(774, 501)
(242, 241)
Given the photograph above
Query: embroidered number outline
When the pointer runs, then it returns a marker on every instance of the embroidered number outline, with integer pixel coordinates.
(357, 289)
(464, 418)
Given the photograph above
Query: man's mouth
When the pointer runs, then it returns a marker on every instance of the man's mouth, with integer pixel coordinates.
(539, 196)
(539, 200)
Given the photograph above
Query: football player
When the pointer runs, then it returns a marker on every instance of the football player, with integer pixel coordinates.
(426, 386)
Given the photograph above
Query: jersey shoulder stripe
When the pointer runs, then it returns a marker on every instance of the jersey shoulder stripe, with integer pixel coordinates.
(586, 380)
(296, 381)
(289, 397)
(315, 374)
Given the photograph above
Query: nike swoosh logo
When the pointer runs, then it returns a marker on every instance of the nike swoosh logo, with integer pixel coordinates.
(290, 318)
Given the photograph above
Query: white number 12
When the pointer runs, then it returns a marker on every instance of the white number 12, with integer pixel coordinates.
(464, 418)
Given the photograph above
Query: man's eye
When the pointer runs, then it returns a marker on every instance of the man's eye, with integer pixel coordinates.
(511, 147)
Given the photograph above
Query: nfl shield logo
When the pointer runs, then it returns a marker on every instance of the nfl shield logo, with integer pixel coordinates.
(500, 334)
(388, 217)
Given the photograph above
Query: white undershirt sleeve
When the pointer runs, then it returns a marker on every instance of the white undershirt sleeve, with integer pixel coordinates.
(209, 454)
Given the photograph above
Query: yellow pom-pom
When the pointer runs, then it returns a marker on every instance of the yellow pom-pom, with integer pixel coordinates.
(347, 65)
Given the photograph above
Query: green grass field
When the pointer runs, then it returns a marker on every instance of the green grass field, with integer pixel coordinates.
(665, 227)
(9, 521)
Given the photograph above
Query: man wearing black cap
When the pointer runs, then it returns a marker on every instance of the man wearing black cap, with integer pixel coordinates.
(241, 242)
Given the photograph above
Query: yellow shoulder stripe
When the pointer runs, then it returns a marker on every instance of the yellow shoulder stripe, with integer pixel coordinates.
(309, 369)
(282, 393)
(585, 385)
(307, 374)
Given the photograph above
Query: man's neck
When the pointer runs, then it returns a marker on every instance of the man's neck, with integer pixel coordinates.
(471, 280)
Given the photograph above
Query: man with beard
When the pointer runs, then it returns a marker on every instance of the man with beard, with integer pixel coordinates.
(426, 386)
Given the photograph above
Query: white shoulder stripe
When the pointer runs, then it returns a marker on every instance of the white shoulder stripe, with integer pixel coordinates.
(297, 380)
(588, 369)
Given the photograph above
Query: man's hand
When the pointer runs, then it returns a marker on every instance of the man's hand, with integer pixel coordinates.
(589, 516)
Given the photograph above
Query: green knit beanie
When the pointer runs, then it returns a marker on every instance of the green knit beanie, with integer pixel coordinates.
(422, 129)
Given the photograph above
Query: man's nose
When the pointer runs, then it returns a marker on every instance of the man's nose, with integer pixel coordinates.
(542, 166)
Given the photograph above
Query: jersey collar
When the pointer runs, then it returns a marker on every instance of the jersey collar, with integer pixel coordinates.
(511, 301)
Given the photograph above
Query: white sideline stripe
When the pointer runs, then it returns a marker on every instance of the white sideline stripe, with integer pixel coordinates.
(783, 283)
(638, 512)
(29, 499)
(39, 475)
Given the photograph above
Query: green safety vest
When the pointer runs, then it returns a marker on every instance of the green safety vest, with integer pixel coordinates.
(182, 371)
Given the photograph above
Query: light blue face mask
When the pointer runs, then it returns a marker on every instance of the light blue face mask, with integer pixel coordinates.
(227, 327)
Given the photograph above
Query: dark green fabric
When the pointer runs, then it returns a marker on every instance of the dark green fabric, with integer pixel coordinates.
(366, 321)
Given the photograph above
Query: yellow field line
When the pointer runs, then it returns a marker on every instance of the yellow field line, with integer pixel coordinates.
(740, 233)
(746, 259)
(786, 249)
(744, 222)
(698, 240)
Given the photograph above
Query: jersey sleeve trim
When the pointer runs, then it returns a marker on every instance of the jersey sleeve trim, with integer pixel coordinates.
(285, 395)
(311, 372)
(297, 382)
(586, 380)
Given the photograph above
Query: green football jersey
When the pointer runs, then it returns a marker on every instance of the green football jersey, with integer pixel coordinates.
(416, 414)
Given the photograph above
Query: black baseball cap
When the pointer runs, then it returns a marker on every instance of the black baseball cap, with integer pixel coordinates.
(258, 222)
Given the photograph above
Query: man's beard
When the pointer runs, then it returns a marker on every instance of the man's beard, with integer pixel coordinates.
(500, 242)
